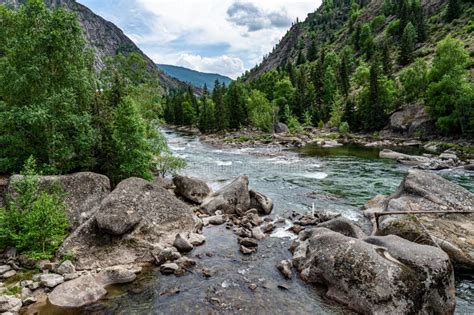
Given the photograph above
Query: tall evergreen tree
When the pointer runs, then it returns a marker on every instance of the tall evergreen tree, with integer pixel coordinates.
(235, 99)
(312, 51)
(407, 44)
(453, 11)
(221, 111)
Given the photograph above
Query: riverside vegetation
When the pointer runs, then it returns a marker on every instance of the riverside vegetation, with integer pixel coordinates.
(64, 122)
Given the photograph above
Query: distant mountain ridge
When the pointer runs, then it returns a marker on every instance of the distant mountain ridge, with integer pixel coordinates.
(104, 37)
(193, 77)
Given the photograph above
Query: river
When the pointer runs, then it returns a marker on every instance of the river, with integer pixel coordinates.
(338, 179)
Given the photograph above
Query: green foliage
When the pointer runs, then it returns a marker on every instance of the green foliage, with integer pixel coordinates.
(206, 119)
(337, 111)
(133, 154)
(453, 10)
(33, 221)
(294, 125)
(414, 81)
(307, 119)
(344, 128)
(367, 40)
(407, 44)
(166, 163)
(450, 95)
(236, 103)
(393, 28)
(260, 110)
(46, 87)
(321, 124)
(377, 22)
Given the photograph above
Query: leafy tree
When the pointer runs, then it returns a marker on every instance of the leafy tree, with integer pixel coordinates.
(337, 111)
(260, 111)
(33, 221)
(414, 81)
(133, 153)
(450, 95)
(367, 40)
(407, 44)
(46, 88)
(189, 113)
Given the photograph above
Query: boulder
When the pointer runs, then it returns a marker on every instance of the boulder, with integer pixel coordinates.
(257, 233)
(285, 267)
(425, 191)
(8, 274)
(4, 268)
(343, 226)
(262, 203)
(133, 220)
(83, 193)
(412, 120)
(77, 293)
(167, 254)
(191, 189)
(377, 275)
(50, 280)
(196, 239)
(65, 268)
(182, 244)
(9, 304)
(280, 128)
(115, 275)
(411, 160)
(230, 199)
(169, 268)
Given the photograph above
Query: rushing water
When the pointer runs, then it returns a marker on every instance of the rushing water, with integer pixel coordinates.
(338, 179)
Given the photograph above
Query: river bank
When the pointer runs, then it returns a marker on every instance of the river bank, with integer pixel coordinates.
(339, 183)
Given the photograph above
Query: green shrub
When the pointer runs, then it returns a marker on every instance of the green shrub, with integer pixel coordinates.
(33, 221)
(294, 125)
(321, 124)
(169, 164)
(344, 128)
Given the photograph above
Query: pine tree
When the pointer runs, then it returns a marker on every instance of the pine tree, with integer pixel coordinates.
(221, 112)
(386, 58)
(312, 51)
(206, 121)
(235, 100)
(407, 44)
(453, 11)
(301, 59)
(418, 19)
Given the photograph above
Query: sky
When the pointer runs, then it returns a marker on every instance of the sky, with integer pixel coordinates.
(217, 36)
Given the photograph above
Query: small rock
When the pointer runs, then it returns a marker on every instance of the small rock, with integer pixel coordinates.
(196, 239)
(51, 280)
(25, 292)
(9, 304)
(215, 220)
(253, 286)
(243, 232)
(4, 268)
(296, 229)
(268, 228)
(257, 233)
(33, 286)
(70, 276)
(262, 203)
(207, 273)
(115, 275)
(65, 267)
(254, 219)
(182, 244)
(248, 242)
(26, 283)
(284, 267)
(29, 300)
(47, 265)
(170, 291)
(9, 274)
(185, 263)
(247, 251)
(169, 268)
(167, 254)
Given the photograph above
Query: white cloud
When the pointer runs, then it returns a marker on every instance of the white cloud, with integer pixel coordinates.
(201, 34)
(229, 66)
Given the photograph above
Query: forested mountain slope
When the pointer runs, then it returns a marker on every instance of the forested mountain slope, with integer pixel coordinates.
(196, 78)
(362, 61)
(104, 37)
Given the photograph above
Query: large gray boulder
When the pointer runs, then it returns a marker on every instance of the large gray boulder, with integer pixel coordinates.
(77, 293)
(280, 128)
(230, 199)
(412, 120)
(9, 304)
(191, 189)
(83, 193)
(377, 275)
(425, 191)
(135, 219)
(261, 202)
(135, 200)
(411, 160)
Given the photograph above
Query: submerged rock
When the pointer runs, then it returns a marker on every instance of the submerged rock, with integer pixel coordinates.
(192, 189)
(284, 267)
(424, 191)
(169, 268)
(230, 199)
(377, 275)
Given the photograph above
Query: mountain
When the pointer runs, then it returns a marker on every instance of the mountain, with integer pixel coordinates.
(195, 78)
(104, 37)
(401, 66)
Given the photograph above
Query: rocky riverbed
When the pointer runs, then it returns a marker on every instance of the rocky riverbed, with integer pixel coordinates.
(226, 248)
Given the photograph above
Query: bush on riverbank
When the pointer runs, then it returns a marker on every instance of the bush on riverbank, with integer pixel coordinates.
(33, 221)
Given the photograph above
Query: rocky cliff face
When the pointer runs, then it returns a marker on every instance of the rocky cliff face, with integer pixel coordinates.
(104, 37)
